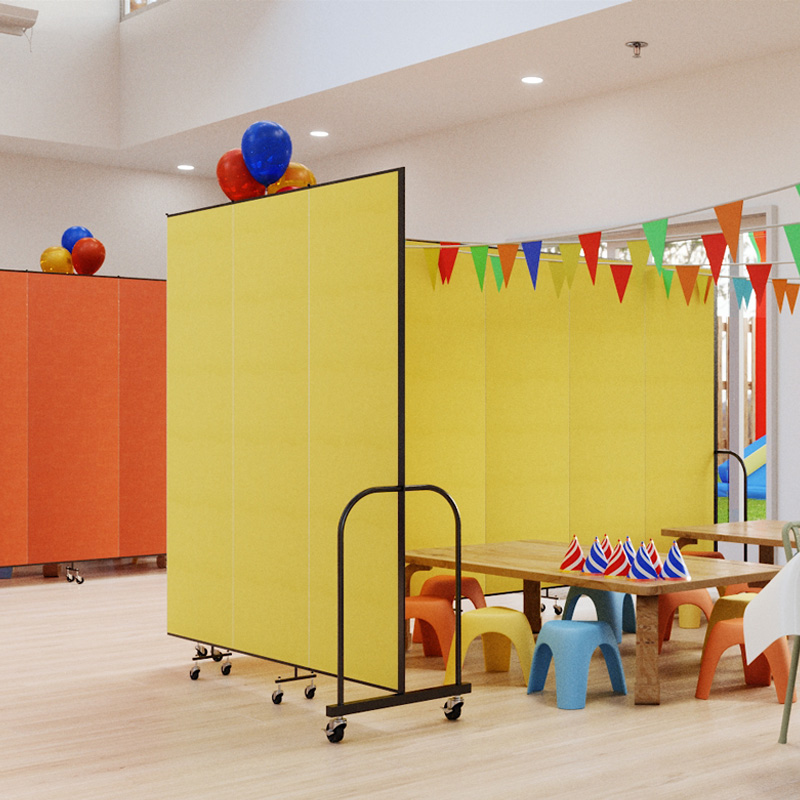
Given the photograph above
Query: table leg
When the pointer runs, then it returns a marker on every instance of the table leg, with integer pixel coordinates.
(766, 554)
(684, 540)
(647, 690)
(532, 603)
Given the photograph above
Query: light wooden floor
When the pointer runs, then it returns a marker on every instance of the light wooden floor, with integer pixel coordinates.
(97, 704)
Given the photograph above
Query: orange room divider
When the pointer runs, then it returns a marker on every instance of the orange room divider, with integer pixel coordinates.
(83, 431)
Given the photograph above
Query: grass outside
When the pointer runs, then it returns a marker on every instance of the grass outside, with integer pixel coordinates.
(756, 509)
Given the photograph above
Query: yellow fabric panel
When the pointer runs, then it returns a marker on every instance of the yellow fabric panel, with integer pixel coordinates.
(354, 421)
(270, 420)
(445, 403)
(527, 411)
(680, 410)
(607, 408)
(199, 431)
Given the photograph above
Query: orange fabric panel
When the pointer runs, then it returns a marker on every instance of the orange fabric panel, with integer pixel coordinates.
(13, 418)
(142, 417)
(73, 418)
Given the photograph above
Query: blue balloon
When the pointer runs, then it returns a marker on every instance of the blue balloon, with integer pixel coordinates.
(71, 235)
(267, 151)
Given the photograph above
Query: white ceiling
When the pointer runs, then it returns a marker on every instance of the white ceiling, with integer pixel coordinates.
(584, 56)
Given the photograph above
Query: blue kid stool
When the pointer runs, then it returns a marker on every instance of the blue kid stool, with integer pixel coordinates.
(571, 643)
(615, 608)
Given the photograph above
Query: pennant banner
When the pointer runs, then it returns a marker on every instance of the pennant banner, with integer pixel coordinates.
(708, 288)
(656, 233)
(793, 235)
(447, 260)
(570, 253)
(688, 277)
(779, 286)
(730, 220)
(667, 275)
(497, 268)
(558, 273)
(791, 292)
(743, 289)
(622, 274)
(508, 255)
(533, 251)
(590, 242)
(480, 253)
(760, 243)
(432, 263)
(640, 251)
(715, 245)
(759, 274)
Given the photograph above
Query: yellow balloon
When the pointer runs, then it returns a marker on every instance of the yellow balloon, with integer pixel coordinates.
(56, 259)
(296, 176)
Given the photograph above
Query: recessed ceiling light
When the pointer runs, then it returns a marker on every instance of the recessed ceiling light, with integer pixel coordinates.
(532, 79)
(320, 134)
(185, 167)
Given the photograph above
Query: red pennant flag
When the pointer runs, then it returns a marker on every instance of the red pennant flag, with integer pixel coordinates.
(590, 242)
(508, 255)
(791, 294)
(622, 274)
(715, 245)
(730, 220)
(779, 285)
(688, 277)
(447, 260)
(708, 286)
(759, 274)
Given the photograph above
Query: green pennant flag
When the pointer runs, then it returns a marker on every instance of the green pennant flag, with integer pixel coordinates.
(480, 252)
(656, 233)
(793, 235)
(497, 268)
(667, 275)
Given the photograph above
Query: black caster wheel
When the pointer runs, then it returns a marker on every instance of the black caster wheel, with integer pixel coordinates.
(277, 696)
(216, 656)
(557, 609)
(79, 579)
(70, 577)
(334, 730)
(543, 607)
(201, 651)
(225, 669)
(194, 673)
(452, 708)
(310, 691)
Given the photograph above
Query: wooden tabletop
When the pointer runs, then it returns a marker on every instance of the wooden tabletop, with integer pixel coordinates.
(764, 532)
(540, 561)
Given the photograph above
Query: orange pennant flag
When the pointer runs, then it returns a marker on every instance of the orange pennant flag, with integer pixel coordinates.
(730, 220)
(779, 285)
(591, 247)
(760, 239)
(759, 274)
(791, 294)
(715, 245)
(708, 287)
(688, 277)
(508, 255)
(447, 260)
(622, 274)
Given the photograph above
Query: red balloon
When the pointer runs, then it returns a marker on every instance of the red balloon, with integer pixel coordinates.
(88, 256)
(235, 179)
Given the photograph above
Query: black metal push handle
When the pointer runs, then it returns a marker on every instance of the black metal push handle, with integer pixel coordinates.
(427, 487)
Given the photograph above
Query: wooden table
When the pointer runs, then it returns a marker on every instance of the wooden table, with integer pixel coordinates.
(538, 562)
(766, 533)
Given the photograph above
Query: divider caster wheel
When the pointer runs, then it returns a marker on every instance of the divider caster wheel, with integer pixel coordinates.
(225, 669)
(79, 579)
(194, 673)
(277, 696)
(70, 577)
(543, 607)
(452, 708)
(216, 655)
(201, 651)
(334, 730)
(557, 608)
(310, 691)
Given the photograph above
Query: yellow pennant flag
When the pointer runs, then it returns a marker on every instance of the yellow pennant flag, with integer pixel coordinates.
(570, 253)
(640, 252)
(432, 262)
(558, 274)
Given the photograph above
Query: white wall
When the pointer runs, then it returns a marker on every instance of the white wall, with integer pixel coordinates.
(125, 209)
(267, 52)
(65, 86)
